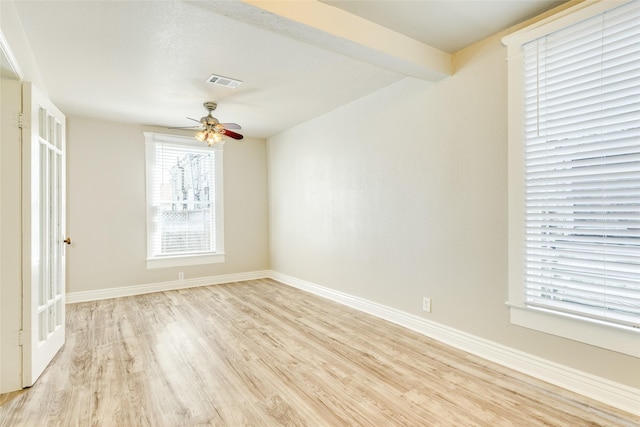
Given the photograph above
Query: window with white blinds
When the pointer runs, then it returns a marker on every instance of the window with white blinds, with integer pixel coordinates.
(582, 168)
(181, 198)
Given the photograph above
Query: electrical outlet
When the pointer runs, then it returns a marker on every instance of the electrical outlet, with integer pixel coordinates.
(426, 304)
(181, 276)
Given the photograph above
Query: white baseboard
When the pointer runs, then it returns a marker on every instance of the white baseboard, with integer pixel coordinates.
(611, 393)
(125, 291)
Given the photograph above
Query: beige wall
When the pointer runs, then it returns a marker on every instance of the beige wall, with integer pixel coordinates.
(106, 213)
(403, 194)
(397, 196)
(10, 194)
(10, 236)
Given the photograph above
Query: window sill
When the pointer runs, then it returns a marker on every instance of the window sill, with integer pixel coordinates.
(621, 339)
(179, 261)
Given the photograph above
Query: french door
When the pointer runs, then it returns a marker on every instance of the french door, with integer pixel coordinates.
(43, 186)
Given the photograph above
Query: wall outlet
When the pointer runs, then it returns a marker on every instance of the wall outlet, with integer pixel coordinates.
(181, 276)
(426, 304)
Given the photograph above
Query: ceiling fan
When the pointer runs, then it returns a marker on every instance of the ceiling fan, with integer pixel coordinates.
(212, 130)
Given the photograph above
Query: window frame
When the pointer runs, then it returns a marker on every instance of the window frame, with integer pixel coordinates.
(613, 337)
(152, 139)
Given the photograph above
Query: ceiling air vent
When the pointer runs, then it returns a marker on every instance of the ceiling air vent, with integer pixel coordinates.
(224, 81)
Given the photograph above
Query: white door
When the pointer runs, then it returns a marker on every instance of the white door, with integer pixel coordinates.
(43, 204)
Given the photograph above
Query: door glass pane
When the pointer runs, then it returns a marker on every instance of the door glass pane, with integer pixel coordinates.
(58, 135)
(51, 130)
(42, 123)
(53, 223)
(42, 325)
(51, 318)
(59, 236)
(59, 311)
(43, 288)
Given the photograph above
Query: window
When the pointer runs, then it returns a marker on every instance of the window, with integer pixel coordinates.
(184, 202)
(575, 176)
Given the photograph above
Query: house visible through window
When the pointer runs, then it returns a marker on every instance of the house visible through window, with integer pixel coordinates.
(578, 229)
(184, 203)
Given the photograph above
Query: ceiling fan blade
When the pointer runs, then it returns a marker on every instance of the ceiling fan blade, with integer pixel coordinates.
(185, 127)
(231, 125)
(231, 134)
(193, 119)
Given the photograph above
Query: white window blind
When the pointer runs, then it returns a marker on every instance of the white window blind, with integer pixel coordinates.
(582, 168)
(181, 199)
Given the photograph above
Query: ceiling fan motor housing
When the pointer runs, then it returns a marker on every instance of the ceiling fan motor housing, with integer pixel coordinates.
(209, 120)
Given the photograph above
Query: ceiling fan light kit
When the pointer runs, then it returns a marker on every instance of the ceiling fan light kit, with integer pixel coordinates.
(210, 137)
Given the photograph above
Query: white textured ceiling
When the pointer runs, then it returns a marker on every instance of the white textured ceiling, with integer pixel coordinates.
(146, 61)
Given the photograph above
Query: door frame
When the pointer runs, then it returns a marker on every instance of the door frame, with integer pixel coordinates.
(10, 222)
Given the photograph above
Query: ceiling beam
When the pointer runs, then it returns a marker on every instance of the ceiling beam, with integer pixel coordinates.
(328, 27)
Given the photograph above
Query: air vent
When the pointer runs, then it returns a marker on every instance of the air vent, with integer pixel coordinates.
(224, 81)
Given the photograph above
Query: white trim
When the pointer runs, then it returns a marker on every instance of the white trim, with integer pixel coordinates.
(613, 337)
(179, 261)
(126, 291)
(559, 20)
(8, 53)
(609, 392)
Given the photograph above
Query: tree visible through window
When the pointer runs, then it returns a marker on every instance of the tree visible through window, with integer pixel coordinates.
(181, 197)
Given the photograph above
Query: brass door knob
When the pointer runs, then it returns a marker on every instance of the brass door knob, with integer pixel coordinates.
(67, 240)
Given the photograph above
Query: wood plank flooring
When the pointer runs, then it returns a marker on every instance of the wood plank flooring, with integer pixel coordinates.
(260, 353)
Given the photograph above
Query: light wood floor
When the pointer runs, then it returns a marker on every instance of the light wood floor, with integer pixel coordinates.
(260, 353)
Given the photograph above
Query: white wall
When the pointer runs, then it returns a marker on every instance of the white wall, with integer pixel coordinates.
(403, 194)
(106, 213)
